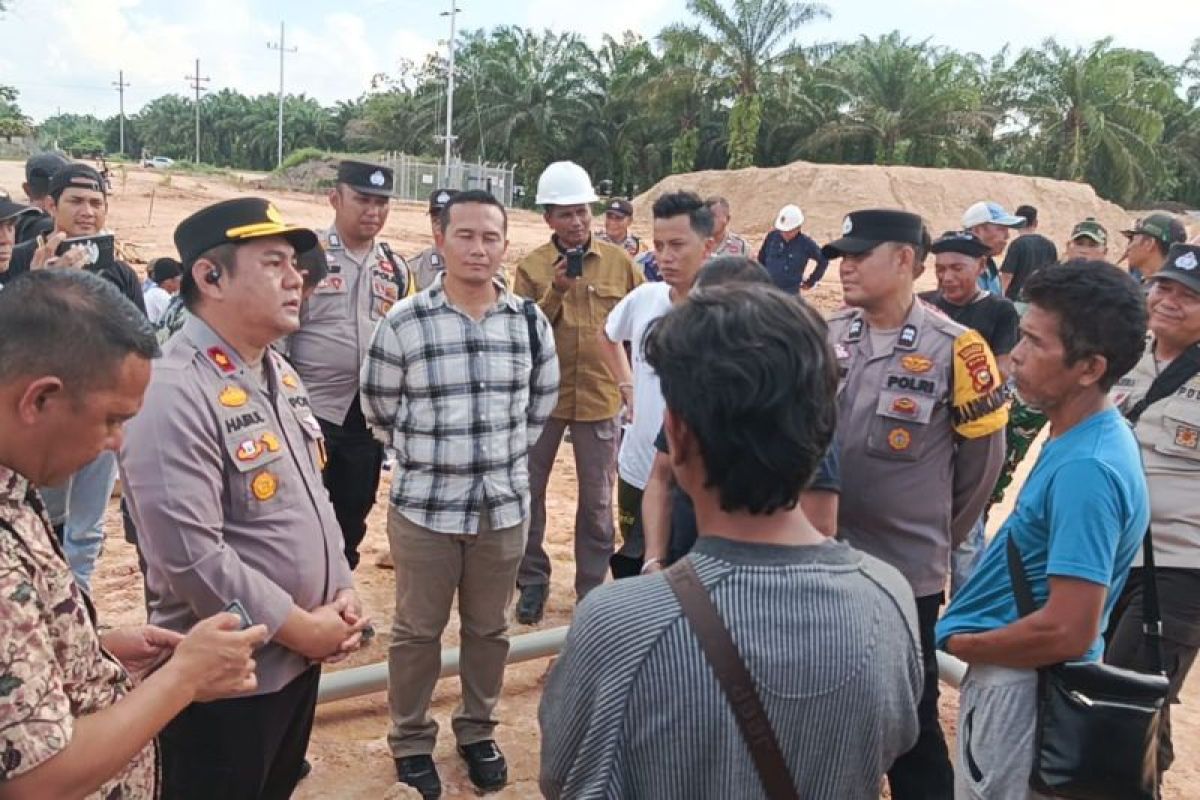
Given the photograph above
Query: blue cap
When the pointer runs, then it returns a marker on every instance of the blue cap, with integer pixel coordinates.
(985, 212)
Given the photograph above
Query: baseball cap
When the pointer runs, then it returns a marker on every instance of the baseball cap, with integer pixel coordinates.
(366, 178)
(985, 211)
(864, 230)
(236, 221)
(1090, 229)
(619, 205)
(438, 199)
(963, 242)
(1182, 266)
(77, 175)
(39, 168)
(789, 218)
(10, 209)
(1159, 226)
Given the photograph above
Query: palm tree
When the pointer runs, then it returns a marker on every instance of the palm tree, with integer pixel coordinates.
(746, 43)
(904, 103)
(1097, 115)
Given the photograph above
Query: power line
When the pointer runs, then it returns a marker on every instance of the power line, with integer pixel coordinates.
(195, 81)
(282, 51)
(121, 85)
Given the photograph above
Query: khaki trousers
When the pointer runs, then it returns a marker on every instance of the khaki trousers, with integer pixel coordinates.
(430, 568)
(595, 446)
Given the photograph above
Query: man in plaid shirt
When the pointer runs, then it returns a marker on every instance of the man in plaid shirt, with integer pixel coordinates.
(459, 381)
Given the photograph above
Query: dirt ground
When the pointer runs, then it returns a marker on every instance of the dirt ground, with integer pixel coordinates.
(348, 750)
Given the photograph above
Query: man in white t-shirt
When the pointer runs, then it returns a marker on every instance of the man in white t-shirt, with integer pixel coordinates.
(165, 277)
(683, 227)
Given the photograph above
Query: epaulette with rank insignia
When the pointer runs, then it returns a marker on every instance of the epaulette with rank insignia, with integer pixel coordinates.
(980, 401)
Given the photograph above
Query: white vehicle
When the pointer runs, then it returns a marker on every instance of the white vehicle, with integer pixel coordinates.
(158, 162)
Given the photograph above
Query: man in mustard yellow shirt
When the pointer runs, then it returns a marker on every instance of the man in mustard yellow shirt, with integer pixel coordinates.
(576, 280)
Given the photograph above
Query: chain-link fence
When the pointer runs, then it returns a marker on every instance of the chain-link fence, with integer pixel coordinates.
(416, 178)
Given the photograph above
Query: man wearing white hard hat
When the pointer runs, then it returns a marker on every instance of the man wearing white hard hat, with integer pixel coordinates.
(576, 279)
(786, 252)
(991, 223)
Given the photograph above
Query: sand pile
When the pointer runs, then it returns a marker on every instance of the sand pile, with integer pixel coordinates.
(827, 191)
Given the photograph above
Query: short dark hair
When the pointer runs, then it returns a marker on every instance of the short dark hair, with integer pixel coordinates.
(1027, 213)
(1101, 312)
(747, 368)
(223, 255)
(731, 269)
(716, 200)
(673, 204)
(478, 196)
(71, 324)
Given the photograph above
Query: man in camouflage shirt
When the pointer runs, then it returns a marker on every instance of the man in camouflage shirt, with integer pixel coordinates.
(79, 710)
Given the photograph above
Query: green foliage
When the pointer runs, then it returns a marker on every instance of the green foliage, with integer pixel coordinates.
(735, 86)
(302, 156)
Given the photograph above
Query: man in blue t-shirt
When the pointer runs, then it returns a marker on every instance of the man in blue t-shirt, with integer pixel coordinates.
(1077, 524)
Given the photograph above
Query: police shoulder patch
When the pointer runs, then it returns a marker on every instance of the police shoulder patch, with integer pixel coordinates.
(979, 405)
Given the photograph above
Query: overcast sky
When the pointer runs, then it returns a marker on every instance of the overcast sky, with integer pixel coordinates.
(65, 54)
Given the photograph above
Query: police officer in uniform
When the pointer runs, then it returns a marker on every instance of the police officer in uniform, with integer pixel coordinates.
(921, 415)
(429, 262)
(366, 277)
(222, 475)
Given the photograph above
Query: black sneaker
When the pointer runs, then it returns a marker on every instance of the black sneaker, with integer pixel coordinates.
(420, 773)
(532, 604)
(485, 765)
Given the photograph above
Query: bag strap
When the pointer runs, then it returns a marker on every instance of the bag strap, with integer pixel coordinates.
(736, 681)
(535, 341)
(1178, 372)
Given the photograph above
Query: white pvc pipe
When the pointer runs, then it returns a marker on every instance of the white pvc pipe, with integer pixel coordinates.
(950, 669)
(357, 681)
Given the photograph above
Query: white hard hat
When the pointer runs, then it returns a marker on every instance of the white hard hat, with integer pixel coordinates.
(790, 217)
(564, 183)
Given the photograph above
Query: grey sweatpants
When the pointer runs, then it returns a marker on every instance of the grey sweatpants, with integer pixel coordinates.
(997, 718)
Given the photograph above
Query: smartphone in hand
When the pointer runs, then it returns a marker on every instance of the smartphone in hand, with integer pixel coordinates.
(99, 249)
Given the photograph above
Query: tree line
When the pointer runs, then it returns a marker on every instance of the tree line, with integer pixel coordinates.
(735, 87)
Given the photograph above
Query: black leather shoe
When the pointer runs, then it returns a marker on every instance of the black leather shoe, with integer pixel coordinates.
(532, 604)
(485, 765)
(420, 773)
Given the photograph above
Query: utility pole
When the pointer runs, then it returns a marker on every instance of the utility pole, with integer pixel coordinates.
(450, 88)
(196, 82)
(282, 49)
(121, 86)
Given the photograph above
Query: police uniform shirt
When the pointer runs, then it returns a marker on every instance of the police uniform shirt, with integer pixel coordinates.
(337, 320)
(1168, 435)
(223, 478)
(922, 438)
(426, 267)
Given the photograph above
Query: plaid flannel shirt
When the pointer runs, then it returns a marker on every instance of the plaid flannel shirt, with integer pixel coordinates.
(460, 402)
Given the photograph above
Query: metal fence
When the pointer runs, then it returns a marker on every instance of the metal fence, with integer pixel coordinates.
(417, 178)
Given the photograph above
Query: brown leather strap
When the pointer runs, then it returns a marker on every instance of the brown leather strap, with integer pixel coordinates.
(736, 681)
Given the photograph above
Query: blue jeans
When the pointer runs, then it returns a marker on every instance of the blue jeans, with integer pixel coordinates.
(80, 504)
(965, 558)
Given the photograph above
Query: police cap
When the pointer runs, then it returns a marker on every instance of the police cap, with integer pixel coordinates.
(1182, 266)
(438, 199)
(10, 209)
(236, 221)
(366, 178)
(864, 230)
(619, 205)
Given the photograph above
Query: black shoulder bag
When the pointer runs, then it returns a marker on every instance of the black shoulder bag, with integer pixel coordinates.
(1098, 725)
